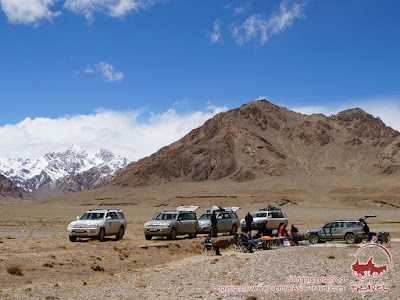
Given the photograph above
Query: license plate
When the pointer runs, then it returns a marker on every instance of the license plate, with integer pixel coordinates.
(80, 230)
(153, 229)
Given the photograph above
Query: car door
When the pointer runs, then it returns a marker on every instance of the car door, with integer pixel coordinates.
(326, 232)
(338, 230)
(184, 223)
(113, 224)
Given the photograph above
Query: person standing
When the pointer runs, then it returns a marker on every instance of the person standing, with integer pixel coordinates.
(248, 219)
(214, 225)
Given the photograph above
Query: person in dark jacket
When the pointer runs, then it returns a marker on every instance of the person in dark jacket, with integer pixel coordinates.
(293, 230)
(248, 220)
(214, 223)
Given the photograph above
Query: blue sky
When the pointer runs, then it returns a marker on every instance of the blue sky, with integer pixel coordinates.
(149, 61)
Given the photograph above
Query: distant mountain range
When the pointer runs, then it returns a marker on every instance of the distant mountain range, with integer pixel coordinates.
(58, 173)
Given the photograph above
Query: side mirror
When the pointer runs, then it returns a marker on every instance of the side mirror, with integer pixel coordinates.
(219, 217)
(77, 217)
(179, 218)
(108, 218)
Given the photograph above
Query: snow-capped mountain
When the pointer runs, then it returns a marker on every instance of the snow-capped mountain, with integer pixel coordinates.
(31, 174)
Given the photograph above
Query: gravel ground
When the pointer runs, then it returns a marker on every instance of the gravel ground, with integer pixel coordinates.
(209, 277)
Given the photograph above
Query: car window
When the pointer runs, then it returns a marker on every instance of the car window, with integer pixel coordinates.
(114, 216)
(187, 217)
(353, 224)
(166, 216)
(121, 215)
(205, 217)
(259, 215)
(227, 216)
(329, 225)
(92, 216)
(277, 215)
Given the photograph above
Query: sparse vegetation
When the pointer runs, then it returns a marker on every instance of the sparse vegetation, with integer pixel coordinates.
(15, 269)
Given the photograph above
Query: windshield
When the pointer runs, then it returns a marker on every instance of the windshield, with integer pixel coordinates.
(92, 216)
(166, 216)
(205, 217)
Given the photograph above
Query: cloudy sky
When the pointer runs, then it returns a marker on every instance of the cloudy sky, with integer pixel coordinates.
(135, 75)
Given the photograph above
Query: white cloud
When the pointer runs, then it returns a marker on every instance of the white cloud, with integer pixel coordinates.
(216, 34)
(386, 108)
(120, 132)
(28, 11)
(112, 8)
(257, 27)
(105, 70)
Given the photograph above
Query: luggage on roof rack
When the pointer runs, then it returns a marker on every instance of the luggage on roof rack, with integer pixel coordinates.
(269, 207)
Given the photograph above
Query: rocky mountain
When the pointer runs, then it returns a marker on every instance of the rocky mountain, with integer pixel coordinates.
(261, 140)
(10, 190)
(62, 172)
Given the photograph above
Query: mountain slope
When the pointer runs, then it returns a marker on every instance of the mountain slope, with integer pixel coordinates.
(10, 190)
(260, 140)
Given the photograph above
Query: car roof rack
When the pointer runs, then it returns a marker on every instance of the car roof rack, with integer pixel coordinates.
(269, 207)
(218, 208)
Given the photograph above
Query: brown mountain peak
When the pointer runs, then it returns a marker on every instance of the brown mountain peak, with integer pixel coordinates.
(356, 114)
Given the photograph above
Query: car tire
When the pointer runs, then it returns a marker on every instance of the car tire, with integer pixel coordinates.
(101, 235)
(72, 239)
(120, 233)
(350, 238)
(314, 239)
(233, 230)
(148, 237)
(192, 235)
(172, 235)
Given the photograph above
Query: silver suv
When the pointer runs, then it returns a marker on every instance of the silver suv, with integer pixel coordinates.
(227, 219)
(271, 216)
(98, 224)
(351, 231)
(173, 223)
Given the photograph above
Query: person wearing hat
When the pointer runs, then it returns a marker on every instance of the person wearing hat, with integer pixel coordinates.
(293, 230)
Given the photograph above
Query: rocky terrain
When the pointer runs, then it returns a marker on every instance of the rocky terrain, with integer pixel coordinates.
(262, 140)
(63, 172)
(10, 190)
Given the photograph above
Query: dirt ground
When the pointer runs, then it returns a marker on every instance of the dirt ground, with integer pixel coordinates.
(33, 240)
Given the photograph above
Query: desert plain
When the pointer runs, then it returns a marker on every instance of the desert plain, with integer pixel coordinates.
(33, 240)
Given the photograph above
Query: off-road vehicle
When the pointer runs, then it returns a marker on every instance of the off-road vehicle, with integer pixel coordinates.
(270, 215)
(227, 219)
(99, 224)
(351, 231)
(173, 223)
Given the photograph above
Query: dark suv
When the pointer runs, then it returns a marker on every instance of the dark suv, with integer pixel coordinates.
(351, 231)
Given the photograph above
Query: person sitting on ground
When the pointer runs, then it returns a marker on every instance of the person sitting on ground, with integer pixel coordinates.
(252, 242)
(214, 244)
(296, 238)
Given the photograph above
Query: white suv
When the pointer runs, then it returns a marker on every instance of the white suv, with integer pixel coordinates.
(271, 216)
(98, 224)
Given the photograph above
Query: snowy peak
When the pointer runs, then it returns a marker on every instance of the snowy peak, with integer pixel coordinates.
(30, 174)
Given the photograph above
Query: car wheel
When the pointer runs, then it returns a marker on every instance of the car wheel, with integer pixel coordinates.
(72, 239)
(314, 239)
(101, 235)
(350, 238)
(120, 233)
(233, 230)
(192, 235)
(148, 237)
(172, 236)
